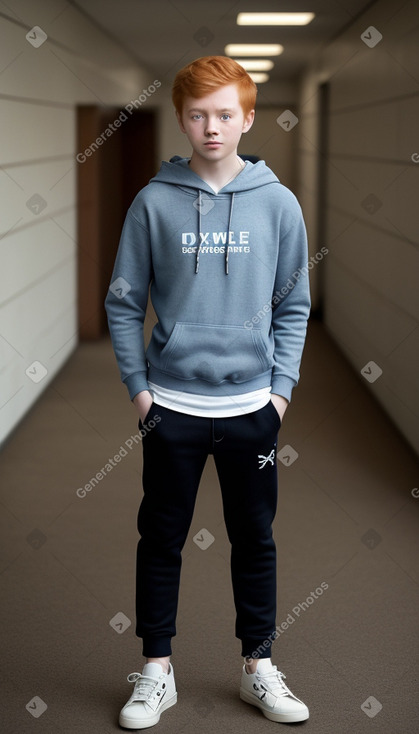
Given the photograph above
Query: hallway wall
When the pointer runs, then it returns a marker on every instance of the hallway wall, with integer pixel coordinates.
(39, 87)
(370, 285)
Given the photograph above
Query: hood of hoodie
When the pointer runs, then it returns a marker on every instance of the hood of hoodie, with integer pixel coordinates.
(178, 173)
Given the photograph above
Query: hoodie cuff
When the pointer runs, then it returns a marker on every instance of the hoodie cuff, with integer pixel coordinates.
(136, 383)
(282, 385)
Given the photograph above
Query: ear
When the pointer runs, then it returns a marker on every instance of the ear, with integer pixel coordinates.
(248, 121)
(179, 119)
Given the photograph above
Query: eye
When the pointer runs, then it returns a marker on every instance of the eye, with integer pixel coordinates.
(197, 117)
(225, 116)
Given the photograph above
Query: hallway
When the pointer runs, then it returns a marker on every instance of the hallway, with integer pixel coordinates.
(347, 518)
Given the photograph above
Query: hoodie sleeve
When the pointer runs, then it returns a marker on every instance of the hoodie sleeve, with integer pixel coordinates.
(290, 305)
(126, 303)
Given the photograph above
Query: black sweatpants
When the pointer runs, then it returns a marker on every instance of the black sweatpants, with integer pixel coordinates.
(174, 453)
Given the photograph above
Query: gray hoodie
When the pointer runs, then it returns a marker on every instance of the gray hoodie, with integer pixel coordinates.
(228, 281)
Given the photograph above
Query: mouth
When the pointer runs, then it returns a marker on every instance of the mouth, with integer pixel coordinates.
(212, 144)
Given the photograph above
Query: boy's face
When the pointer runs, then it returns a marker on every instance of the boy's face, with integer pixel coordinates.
(214, 124)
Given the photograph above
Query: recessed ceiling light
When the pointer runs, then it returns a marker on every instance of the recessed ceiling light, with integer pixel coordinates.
(256, 64)
(274, 18)
(253, 49)
(259, 77)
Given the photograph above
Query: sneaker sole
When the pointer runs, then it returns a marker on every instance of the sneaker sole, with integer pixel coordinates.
(128, 723)
(280, 718)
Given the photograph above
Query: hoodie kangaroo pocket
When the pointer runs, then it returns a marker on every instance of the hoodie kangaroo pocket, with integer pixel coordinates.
(215, 353)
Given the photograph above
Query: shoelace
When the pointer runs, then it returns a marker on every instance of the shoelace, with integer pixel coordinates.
(275, 680)
(144, 685)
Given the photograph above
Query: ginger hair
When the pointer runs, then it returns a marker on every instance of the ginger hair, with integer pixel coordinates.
(207, 74)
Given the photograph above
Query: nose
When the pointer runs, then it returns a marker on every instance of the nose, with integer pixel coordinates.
(211, 128)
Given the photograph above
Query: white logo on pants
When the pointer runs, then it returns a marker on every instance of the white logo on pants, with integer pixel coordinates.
(263, 460)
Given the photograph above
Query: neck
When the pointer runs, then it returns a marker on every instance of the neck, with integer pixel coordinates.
(217, 174)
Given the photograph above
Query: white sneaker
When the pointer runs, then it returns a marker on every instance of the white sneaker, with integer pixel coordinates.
(154, 692)
(266, 689)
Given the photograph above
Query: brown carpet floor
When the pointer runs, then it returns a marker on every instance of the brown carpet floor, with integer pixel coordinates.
(346, 517)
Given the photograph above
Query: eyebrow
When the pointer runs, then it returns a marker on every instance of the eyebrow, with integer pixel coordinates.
(197, 109)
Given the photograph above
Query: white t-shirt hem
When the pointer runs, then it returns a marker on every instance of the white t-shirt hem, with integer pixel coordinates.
(208, 406)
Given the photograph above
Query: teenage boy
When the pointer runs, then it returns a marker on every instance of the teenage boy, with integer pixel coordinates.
(222, 245)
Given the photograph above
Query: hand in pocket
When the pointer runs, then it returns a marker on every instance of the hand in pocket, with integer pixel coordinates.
(143, 402)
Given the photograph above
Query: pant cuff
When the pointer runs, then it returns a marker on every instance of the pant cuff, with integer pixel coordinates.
(156, 647)
(257, 648)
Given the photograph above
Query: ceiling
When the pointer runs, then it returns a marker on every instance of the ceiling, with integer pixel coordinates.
(164, 35)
